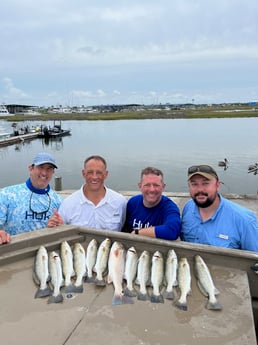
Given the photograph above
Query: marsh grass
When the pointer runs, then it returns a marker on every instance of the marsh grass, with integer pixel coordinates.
(194, 112)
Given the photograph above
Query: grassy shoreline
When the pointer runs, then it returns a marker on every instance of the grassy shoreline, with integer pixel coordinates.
(187, 113)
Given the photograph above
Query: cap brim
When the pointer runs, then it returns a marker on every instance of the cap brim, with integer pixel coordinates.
(206, 175)
(46, 162)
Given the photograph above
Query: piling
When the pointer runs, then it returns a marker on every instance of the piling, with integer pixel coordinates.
(58, 183)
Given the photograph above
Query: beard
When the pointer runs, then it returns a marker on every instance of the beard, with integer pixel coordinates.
(204, 204)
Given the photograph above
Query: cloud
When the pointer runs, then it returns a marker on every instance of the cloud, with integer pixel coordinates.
(80, 50)
(12, 93)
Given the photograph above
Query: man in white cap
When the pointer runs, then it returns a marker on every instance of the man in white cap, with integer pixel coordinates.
(26, 207)
(211, 219)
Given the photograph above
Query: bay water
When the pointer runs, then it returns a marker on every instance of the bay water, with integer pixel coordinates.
(130, 145)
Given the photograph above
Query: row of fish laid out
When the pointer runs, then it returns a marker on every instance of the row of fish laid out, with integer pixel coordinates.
(130, 273)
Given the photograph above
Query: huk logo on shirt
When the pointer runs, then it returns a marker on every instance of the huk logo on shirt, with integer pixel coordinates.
(139, 224)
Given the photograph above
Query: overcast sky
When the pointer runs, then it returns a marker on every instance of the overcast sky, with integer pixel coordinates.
(79, 52)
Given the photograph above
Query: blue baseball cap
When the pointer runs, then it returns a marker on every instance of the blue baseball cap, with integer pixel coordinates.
(44, 158)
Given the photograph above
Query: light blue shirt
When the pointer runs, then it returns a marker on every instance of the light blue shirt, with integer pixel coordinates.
(22, 210)
(231, 226)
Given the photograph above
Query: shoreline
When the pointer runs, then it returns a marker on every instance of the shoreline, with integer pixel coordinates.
(146, 113)
(249, 201)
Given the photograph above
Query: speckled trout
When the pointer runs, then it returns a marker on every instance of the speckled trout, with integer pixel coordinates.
(102, 261)
(79, 264)
(184, 282)
(67, 266)
(171, 274)
(116, 266)
(55, 269)
(157, 275)
(91, 256)
(143, 275)
(205, 283)
(131, 261)
(41, 273)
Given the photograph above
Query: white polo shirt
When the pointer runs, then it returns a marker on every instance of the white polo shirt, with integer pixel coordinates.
(109, 214)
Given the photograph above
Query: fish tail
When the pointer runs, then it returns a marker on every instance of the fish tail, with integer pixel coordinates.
(130, 293)
(100, 282)
(119, 299)
(43, 292)
(77, 288)
(181, 305)
(89, 279)
(55, 299)
(69, 288)
(143, 296)
(213, 305)
(169, 294)
(156, 299)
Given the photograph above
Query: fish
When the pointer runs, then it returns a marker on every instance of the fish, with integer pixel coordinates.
(79, 264)
(143, 275)
(116, 266)
(67, 266)
(171, 274)
(157, 276)
(41, 274)
(205, 283)
(102, 262)
(130, 272)
(184, 283)
(55, 269)
(91, 256)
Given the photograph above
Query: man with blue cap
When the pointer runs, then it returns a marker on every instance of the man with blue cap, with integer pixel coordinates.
(27, 206)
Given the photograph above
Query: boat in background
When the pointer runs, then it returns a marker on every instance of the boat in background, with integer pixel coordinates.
(4, 111)
(4, 135)
(54, 132)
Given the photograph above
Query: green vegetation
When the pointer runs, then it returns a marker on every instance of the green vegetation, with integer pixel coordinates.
(182, 112)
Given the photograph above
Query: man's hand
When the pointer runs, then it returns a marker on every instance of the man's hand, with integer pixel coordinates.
(55, 220)
(4, 237)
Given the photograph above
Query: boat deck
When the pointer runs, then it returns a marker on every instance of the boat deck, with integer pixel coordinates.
(90, 318)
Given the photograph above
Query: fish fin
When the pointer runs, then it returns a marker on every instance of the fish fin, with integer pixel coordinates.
(137, 282)
(156, 299)
(43, 292)
(216, 291)
(55, 299)
(130, 293)
(213, 306)
(109, 279)
(175, 283)
(169, 295)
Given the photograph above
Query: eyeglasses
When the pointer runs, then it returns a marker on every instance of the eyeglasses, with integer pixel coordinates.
(37, 201)
(203, 169)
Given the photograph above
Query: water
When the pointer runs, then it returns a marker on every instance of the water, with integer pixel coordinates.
(130, 145)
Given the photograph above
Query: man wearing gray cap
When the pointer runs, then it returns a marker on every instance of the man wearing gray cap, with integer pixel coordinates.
(28, 206)
(211, 219)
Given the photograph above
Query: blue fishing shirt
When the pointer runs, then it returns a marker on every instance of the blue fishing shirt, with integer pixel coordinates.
(165, 217)
(22, 210)
(231, 226)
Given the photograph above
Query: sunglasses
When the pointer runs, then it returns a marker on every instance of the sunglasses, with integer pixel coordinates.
(202, 169)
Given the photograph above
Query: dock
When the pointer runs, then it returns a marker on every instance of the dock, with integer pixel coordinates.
(18, 139)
